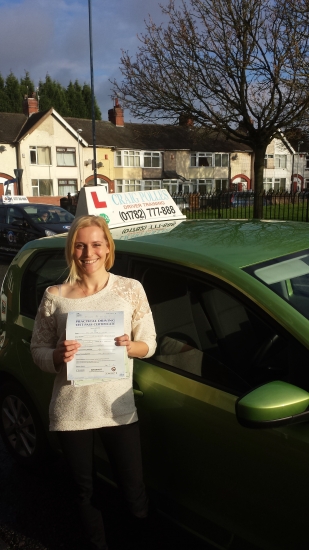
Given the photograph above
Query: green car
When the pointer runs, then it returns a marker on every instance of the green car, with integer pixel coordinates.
(223, 403)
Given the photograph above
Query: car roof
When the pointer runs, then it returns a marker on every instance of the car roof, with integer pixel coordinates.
(219, 248)
(238, 243)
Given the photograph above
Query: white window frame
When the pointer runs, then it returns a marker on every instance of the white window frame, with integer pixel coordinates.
(268, 184)
(149, 185)
(279, 184)
(281, 161)
(153, 156)
(195, 159)
(219, 157)
(132, 158)
(128, 158)
(199, 184)
(64, 150)
(266, 161)
(33, 152)
(37, 186)
(127, 186)
(219, 184)
(71, 182)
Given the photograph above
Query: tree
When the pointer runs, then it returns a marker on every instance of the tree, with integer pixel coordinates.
(52, 94)
(237, 66)
(3, 97)
(75, 100)
(26, 85)
(88, 103)
(13, 94)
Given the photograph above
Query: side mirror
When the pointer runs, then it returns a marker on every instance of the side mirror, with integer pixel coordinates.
(18, 222)
(274, 404)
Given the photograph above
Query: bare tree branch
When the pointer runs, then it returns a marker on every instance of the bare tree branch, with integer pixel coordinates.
(224, 62)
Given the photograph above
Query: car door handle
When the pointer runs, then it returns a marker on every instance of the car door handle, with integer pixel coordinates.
(26, 343)
(138, 394)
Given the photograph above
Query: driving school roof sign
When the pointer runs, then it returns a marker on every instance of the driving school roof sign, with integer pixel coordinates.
(119, 209)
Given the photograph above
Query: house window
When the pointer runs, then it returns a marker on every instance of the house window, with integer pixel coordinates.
(40, 155)
(202, 186)
(152, 159)
(67, 186)
(268, 184)
(41, 188)
(221, 159)
(125, 186)
(131, 158)
(280, 161)
(128, 158)
(280, 184)
(201, 159)
(66, 156)
(221, 185)
(269, 161)
(152, 184)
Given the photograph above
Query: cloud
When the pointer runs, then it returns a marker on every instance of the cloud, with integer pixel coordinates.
(53, 37)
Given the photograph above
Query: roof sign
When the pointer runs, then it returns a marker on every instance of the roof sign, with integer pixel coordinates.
(121, 209)
(127, 233)
(13, 199)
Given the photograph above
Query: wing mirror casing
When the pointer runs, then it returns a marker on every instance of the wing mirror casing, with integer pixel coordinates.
(271, 405)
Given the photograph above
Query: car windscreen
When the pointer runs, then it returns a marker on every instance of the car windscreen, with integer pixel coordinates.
(287, 276)
(48, 214)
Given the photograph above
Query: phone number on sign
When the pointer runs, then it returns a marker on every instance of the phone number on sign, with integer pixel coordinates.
(152, 213)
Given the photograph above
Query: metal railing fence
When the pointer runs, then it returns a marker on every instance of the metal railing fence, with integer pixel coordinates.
(230, 204)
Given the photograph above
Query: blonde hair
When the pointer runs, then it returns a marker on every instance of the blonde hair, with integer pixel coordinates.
(80, 223)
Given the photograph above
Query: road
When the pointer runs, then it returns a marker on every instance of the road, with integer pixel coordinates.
(37, 510)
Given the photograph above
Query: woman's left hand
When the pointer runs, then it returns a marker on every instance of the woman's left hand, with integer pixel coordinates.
(134, 349)
(124, 340)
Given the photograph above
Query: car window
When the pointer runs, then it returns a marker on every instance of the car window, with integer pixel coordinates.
(50, 214)
(207, 332)
(46, 269)
(120, 266)
(14, 215)
(2, 214)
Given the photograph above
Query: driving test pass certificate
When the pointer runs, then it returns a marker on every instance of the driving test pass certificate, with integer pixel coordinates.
(98, 357)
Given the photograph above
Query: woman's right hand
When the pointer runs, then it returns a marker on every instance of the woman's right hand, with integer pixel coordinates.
(65, 351)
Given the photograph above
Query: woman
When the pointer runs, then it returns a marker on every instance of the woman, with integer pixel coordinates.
(76, 411)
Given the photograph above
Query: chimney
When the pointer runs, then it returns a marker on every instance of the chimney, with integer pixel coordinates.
(30, 105)
(186, 120)
(115, 115)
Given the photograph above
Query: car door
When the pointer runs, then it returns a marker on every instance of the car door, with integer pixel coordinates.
(2, 226)
(16, 231)
(201, 465)
(44, 269)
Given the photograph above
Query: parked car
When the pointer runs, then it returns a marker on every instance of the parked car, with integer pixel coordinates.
(21, 222)
(230, 300)
(244, 199)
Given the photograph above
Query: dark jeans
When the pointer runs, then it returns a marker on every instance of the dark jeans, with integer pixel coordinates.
(122, 445)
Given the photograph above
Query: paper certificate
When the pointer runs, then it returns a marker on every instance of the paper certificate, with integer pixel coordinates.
(98, 357)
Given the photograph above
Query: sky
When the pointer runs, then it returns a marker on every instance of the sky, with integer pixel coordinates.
(52, 37)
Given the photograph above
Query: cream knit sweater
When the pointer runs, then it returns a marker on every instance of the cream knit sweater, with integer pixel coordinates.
(108, 403)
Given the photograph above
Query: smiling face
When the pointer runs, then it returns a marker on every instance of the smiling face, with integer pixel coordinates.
(90, 250)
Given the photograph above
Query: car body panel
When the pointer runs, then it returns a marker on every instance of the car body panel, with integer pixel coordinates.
(175, 416)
